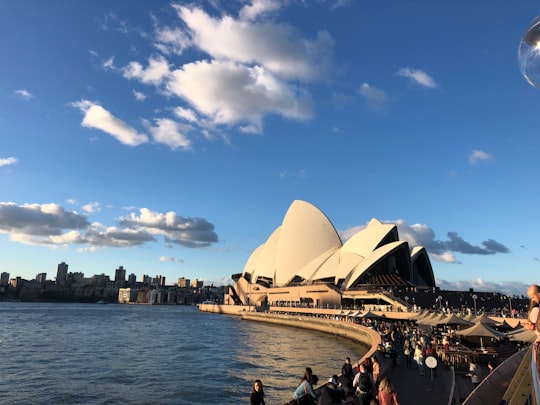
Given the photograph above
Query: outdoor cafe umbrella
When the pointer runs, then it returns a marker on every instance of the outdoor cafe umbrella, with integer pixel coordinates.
(522, 335)
(427, 319)
(420, 315)
(455, 320)
(480, 330)
(369, 314)
(435, 320)
(486, 320)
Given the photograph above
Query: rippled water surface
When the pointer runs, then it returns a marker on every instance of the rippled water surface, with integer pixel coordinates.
(139, 354)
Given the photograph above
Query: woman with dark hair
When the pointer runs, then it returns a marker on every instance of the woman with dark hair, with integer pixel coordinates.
(257, 394)
(304, 394)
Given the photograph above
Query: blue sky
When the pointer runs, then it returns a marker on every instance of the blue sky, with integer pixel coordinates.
(171, 138)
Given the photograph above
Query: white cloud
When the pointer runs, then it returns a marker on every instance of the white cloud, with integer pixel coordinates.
(190, 232)
(376, 99)
(258, 8)
(277, 47)
(250, 129)
(109, 63)
(477, 156)
(24, 94)
(170, 133)
(419, 77)
(156, 71)
(52, 225)
(171, 40)
(170, 259)
(95, 116)
(230, 93)
(91, 207)
(8, 161)
(186, 114)
(439, 250)
(139, 96)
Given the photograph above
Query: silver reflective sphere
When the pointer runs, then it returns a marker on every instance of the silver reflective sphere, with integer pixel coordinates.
(529, 53)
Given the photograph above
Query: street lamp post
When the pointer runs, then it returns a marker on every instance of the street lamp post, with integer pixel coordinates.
(474, 297)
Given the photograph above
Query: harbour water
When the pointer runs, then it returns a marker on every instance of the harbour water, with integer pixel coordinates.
(142, 354)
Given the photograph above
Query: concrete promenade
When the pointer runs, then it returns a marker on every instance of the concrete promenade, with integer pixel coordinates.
(413, 388)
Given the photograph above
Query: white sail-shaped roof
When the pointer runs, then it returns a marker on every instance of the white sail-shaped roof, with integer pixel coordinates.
(368, 239)
(306, 247)
(305, 234)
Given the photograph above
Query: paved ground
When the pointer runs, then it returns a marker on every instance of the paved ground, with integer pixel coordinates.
(413, 388)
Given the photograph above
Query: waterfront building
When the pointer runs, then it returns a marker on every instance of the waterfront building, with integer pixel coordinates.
(41, 277)
(159, 280)
(132, 280)
(183, 282)
(61, 273)
(120, 274)
(127, 295)
(197, 284)
(4, 278)
(304, 262)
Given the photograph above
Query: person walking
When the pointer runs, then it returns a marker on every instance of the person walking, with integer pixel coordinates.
(475, 372)
(419, 358)
(386, 394)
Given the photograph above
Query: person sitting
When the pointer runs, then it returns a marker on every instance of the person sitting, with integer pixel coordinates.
(304, 394)
(257, 394)
(335, 389)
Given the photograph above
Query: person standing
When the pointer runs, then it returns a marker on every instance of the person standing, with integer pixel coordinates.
(475, 372)
(347, 369)
(364, 385)
(419, 358)
(386, 394)
(533, 319)
(407, 353)
(376, 369)
(257, 394)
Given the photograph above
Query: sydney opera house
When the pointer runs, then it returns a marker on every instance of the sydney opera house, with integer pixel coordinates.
(304, 262)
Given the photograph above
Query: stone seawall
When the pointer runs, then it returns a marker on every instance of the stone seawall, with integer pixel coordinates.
(365, 336)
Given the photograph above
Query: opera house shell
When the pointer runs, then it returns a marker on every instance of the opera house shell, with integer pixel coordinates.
(306, 250)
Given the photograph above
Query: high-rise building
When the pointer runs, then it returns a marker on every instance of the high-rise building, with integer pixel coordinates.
(61, 273)
(120, 274)
(41, 277)
(183, 282)
(197, 283)
(4, 278)
(159, 280)
(132, 279)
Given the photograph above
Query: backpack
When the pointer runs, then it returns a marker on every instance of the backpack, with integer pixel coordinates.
(364, 384)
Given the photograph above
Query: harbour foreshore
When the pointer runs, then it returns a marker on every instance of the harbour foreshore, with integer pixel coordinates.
(369, 338)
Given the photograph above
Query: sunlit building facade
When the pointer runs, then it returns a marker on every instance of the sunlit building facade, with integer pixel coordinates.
(304, 260)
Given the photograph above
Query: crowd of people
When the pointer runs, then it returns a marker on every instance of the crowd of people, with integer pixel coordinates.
(361, 383)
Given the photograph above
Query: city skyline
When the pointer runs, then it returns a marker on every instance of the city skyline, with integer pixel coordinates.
(172, 137)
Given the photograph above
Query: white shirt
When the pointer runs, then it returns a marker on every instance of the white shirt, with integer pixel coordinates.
(533, 318)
